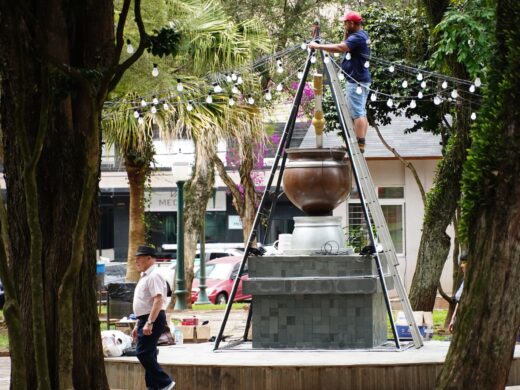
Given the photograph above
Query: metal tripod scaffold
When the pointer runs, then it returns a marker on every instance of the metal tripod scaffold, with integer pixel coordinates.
(379, 233)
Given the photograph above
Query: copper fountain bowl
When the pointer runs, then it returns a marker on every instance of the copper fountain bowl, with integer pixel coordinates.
(317, 180)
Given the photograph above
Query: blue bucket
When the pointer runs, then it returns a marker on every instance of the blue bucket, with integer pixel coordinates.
(100, 268)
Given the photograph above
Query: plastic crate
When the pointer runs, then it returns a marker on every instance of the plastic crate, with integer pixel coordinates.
(403, 331)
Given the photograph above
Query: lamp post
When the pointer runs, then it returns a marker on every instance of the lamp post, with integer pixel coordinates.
(203, 296)
(180, 292)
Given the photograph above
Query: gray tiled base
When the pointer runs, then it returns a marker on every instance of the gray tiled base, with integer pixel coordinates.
(319, 302)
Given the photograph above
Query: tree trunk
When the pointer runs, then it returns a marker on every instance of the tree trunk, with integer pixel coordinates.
(489, 315)
(442, 199)
(136, 173)
(56, 112)
(198, 191)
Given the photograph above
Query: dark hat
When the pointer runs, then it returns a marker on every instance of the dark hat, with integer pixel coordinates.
(145, 250)
(463, 256)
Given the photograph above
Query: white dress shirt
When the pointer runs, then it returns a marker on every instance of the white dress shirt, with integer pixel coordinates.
(149, 286)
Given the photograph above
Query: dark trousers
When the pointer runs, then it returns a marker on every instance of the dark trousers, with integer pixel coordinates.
(146, 351)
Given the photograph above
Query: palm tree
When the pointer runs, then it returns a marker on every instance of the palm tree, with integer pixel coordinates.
(210, 41)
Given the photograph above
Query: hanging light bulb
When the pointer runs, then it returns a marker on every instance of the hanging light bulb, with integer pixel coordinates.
(390, 102)
(140, 120)
(129, 47)
(367, 64)
(268, 95)
(373, 97)
(336, 54)
(228, 78)
(313, 59)
(155, 100)
(405, 84)
(189, 107)
(437, 100)
(209, 99)
(423, 84)
(136, 114)
(279, 69)
(155, 71)
(348, 56)
(419, 76)
(143, 103)
(235, 89)
(231, 101)
(279, 87)
(473, 116)
(153, 110)
(278, 62)
(472, 88)
(165, 106)
(454, 94)
(477, 82)
(413, 104)
(326, 59)
(240, 80)
(341, 76)
(444, 85)
(420, 95)
(180, 87)
(359, 90)
(300, 75)
(217, 88)
(250, 100)
(303, 46)
(391, 69)
(234, 76)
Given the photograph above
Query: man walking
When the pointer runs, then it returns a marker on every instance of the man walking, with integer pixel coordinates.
(149, 307)
(356, 47)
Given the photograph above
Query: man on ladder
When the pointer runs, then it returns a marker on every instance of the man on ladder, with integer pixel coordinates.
(354, 65)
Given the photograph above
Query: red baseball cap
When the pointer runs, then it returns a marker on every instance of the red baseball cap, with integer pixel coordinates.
(352, 16)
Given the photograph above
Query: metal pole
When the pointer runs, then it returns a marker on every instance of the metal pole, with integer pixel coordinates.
(180, 292)
(334, 84)
(252, 235)
(203, 297)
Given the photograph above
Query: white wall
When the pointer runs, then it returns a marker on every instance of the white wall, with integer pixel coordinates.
(392, 173)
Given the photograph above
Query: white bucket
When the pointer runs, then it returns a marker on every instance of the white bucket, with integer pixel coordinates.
(284, 242)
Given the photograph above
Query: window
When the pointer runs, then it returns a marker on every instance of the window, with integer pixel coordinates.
(392, 205)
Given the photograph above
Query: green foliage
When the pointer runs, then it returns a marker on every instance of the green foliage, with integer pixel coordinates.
(165, 42)
(466, 32)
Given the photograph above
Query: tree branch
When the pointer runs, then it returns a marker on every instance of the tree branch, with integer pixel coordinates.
(235, 193)
(112, 77)
(119, 31)
(407, 164)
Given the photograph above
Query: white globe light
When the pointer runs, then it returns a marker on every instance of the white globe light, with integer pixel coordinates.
(155, 100)
(268, 96)
(136, 114)
(300, 75)
(367, 64)
(313, 59)
(233, 76)
(217, 88)
(143, 103)
(420, 95)
(454, 94)
(189, 107)
(153, 110)
(341, 76)
(423, 84)
(166, 107)
(478, 83)
(209, 99)
(373, 97)
(419, 76)
(413, 104)
(405, 84)
(391, 69)
(235, 89)
(279, 70)
(279, 87)
(473, 116)
(437, 100)
(359, 90)
(326, 59)
(251, 100)
(155, 71)
(231, 101)
(348, 56)
(303, 46)
(444, 85)
(472, 88)
(390, 102)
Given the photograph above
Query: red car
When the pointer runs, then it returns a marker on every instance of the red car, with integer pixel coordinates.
(220, 276)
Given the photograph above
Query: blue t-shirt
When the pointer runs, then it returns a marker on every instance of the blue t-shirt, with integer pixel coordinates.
(359, 54)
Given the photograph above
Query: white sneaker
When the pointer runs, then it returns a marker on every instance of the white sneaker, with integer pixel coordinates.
(170, 386)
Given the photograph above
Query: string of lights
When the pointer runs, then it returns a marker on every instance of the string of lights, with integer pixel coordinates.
(227, 86)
